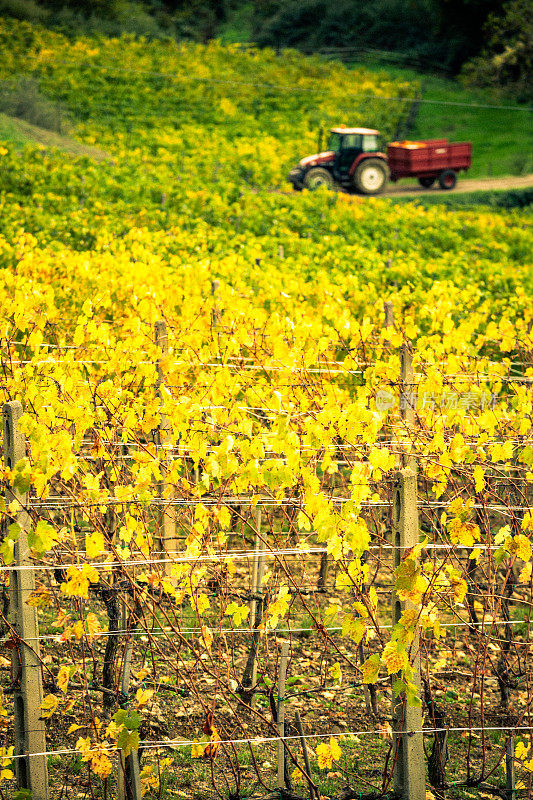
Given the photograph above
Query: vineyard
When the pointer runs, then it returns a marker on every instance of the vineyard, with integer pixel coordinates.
(268, 456)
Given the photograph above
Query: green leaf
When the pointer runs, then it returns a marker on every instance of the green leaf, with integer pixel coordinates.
(128, 740)
(42, 538)
(470, 456)
(21, 476)
(411, 694)
(406, 575)
(120, 716)
(371, 668)
(13, 532)
(131, 720)
(526, 456)
(7, 549)
(399, 687)
(295, 679)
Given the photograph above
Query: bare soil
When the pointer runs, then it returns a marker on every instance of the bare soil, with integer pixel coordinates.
(404, 189)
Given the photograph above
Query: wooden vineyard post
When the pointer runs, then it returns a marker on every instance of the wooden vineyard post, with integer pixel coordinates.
(299, 728)
(366, 690)
(510, 778)
(256, 612)
(167, 515)
(29, 735)
(408, 750)
(407, 398)
(407, 401)
(281, 712)
(324, 557)
(257, 582)
(215, 313)
(129, 774)
(389, 314)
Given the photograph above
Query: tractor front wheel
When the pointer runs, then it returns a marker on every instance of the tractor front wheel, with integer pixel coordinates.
(370, 176)
(318, 176)
(426, 182)
(447, 179)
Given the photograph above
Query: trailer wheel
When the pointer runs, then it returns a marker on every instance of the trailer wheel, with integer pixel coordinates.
(447, 179)
(426, 182)
(318, 176)
(371, 176)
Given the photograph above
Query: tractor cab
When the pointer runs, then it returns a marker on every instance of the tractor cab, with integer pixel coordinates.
(352, 160)
(348, 144)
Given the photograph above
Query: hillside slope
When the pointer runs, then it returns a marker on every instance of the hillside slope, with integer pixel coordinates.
(20, 133)
(244, 114)
(269, 399)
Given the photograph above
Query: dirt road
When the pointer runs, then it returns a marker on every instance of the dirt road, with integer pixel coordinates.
(403, 189)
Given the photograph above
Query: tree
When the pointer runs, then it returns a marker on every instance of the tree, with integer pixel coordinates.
(507, 59)
(437, 33)
(461, 26)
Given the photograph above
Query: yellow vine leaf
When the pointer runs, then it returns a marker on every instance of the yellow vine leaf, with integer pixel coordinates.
(395, 660)
(94, 544)
(328, 753)
(93, 625)
(370, 669)
(201, 603)
(142, 696)
(197, 749)
(207, 636)
(49, 705)
(355, 628)
(519, 546)
(62, 679)
(336, 673)
(79, 580)
(479, 478)
(6, 756)
(239, 613)
(279, 607)
(73, 728)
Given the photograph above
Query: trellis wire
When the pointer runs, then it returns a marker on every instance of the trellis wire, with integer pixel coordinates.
(60, 503)
(147, 744)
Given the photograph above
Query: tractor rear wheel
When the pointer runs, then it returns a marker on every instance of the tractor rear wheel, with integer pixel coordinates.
(426, 182)
(447, 179)
(318, 176)
(371, 176)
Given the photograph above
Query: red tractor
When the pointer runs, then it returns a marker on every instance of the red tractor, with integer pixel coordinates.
(354, 160)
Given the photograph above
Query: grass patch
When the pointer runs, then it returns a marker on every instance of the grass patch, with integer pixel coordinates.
(238, 27)
(19, 133)
(502, 138)
(504, 198)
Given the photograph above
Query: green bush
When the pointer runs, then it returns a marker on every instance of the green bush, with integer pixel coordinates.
(412, 29)
(21, 98)
(507, 59)
(123, 18)
(27, 10)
